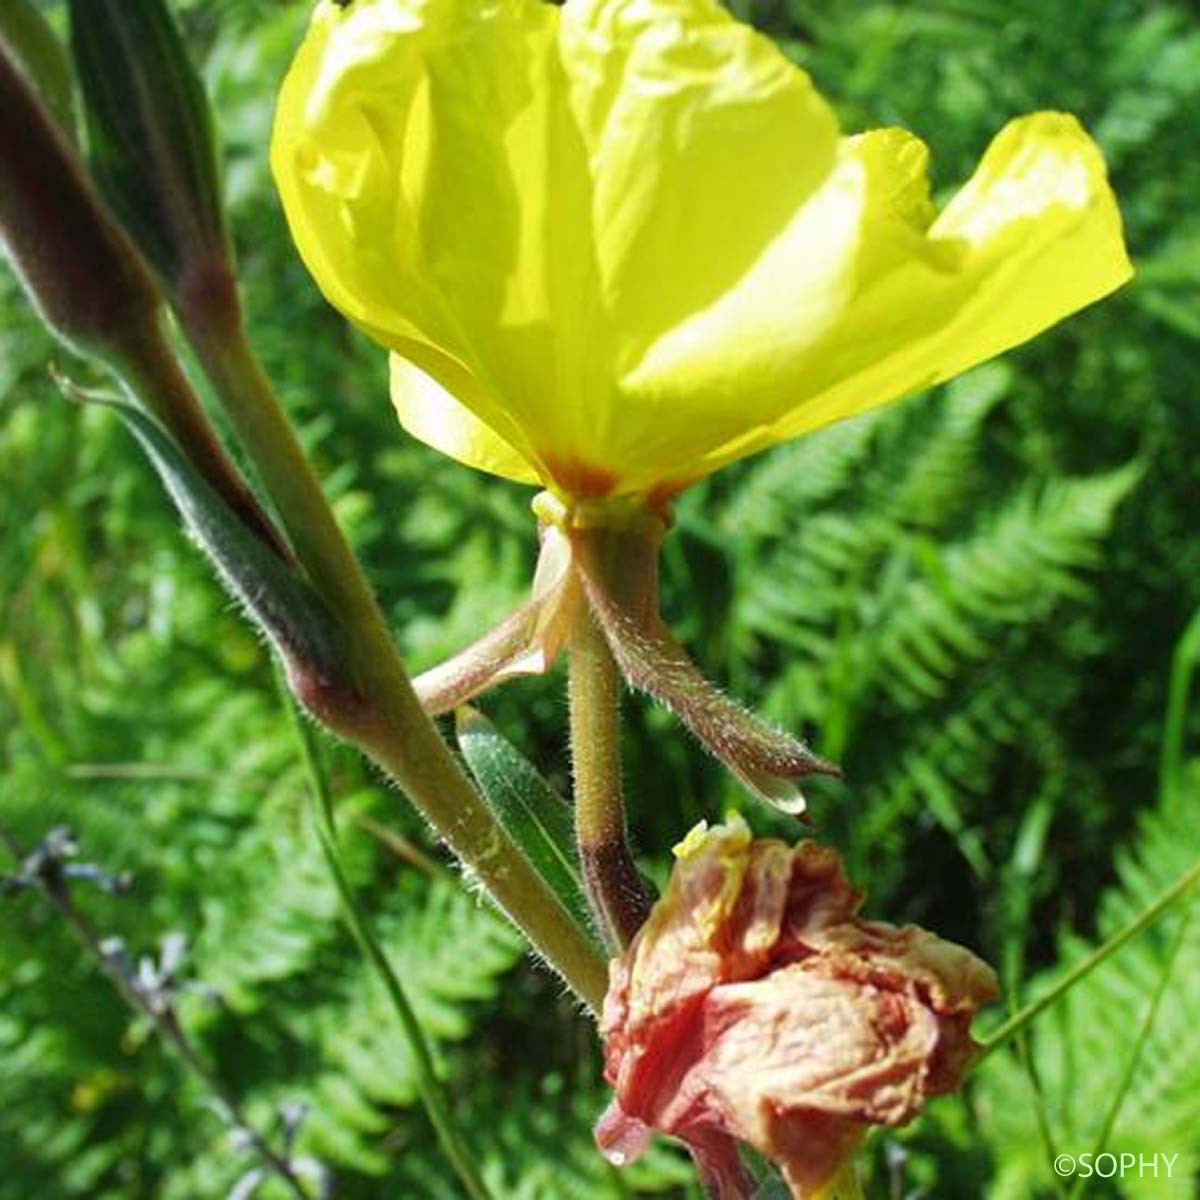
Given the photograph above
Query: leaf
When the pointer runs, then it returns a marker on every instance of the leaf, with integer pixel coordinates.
(533, 814)
(277, 599)
(153, 151)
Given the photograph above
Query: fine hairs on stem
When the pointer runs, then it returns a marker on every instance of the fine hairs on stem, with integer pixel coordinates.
(615, 889)
(381, 715)
(432, 1097)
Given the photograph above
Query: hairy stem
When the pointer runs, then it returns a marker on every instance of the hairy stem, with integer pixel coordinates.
(615, 889)
(432, 1097)
(382, 716)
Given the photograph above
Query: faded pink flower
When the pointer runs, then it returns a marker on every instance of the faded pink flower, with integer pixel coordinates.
(754, 1005)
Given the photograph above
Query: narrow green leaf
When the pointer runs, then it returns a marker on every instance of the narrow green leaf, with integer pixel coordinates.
(532, 813)
(278, 599)
(151, 140)
(1018, 1021)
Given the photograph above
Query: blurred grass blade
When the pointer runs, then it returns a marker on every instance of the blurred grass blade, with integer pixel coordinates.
(42, 59)
(1139, 1044)
(278, 599)
(1016, 1023)
(532, 813)
(1175, 723)
(1017, 891)
(151, 140)
(432, 1097)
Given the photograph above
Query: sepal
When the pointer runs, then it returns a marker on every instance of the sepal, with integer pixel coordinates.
(620, 577)
(525, 643)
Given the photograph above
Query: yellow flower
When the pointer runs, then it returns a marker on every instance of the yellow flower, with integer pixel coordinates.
(618, 244)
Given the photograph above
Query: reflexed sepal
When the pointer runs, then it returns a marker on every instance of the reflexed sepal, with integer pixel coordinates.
(619, 574)
(508, 650)
(279, 601)
(525, 643)
(532, 813)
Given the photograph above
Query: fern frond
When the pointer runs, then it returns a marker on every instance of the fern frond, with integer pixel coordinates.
(960, 602)
(1081, 1050)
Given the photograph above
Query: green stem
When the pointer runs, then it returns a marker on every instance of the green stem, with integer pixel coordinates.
(1183, 667)
(1016, 1023)
(383, 717)
(614, 887)
(214, 328)
(431, 1094)
(1045, 1133)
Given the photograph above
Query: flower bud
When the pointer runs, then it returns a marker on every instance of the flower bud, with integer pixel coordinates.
(38, 53)
(92, 288)
(152, 146)
(80, 271)
(755, 1005)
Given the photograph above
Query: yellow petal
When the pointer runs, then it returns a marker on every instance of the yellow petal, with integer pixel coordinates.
(434, 416)
(702, 141)
(528, 196)
(411, 152)
(1032, 238)
(622, 244)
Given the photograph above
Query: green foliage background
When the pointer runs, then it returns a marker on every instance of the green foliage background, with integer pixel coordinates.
(975, 601)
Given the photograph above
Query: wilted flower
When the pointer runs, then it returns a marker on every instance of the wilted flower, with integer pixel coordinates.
(78, 268)
(755, 1005)
(616, 244)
